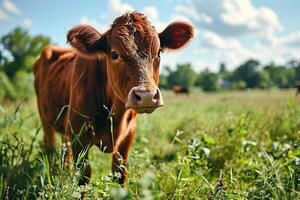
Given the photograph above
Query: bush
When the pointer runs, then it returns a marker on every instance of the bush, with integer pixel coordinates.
(23, 83)
(208, 81)
(7, 91)
(238, 85)
(184, 75)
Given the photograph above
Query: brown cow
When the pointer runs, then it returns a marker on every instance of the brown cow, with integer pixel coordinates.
(103, 83)
(179, 89)
(297, 89)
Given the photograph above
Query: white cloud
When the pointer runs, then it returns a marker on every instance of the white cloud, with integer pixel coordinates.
(115, 8)
(210, 49)
(242, 14)
(3, 16)
(233, 53)
(193, 14)
(94, 23)
(279, 49)
(188, 11)
(292, 40)
(9, 6)
(179, 17)
(236, 31)
(200, 65)
(233, 17)
(229, 31)
(26, 22)
(118, 7)
(213, 40)
(151, 13)
(207, 19)
(153, 16)
(266, 49)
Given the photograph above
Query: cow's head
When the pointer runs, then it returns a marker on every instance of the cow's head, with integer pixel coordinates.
(132, 47)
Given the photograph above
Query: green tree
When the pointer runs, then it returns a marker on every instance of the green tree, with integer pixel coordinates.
(208, 81)
(183, 75)
(18, 51)
(281, 76)
(222, 68)
(163, 81)
(22, 50)
(249, 73)
(6, 88)
(238, 85)
(264, 79)
(297, 72)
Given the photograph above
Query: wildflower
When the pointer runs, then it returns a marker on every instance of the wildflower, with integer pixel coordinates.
(206, 151)
(249, 143)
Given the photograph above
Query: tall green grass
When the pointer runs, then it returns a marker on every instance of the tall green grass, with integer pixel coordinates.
(235, 145)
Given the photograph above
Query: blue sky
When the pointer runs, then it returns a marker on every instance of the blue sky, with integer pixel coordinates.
(228, 31)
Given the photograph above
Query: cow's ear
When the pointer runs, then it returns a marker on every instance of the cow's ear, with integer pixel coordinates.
(176, 35)
(86, 39)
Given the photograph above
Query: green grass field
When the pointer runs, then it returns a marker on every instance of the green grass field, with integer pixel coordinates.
(230, 145)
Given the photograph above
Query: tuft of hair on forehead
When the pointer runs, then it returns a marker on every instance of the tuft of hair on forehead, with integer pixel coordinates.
(135, 27)
(133, 20)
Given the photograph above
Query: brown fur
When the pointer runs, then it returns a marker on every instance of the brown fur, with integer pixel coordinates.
(78, 94)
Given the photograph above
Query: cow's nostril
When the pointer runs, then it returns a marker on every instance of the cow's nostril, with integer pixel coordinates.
(156, 96)
(137, 97)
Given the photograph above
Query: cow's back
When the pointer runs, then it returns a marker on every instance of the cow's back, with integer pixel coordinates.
(52, 73)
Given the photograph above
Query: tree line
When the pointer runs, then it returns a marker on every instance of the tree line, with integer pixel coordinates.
(249, 75)
(19, 49)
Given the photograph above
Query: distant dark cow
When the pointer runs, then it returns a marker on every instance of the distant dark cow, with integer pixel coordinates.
(297, 89)
(179, 89)
(91, 94)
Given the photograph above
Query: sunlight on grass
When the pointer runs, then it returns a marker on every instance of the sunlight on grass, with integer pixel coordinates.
(229, 145)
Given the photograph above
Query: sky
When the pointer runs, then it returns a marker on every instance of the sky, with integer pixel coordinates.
(227, 31)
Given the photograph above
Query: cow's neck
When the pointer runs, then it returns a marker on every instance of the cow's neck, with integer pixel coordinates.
(112, 104)
(115, 116)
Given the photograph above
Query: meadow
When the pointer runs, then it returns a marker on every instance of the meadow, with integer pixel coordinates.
(225, 145)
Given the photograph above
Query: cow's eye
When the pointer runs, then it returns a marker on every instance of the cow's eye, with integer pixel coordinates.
(114, 55)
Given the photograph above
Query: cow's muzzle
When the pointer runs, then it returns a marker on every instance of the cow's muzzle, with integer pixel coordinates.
(144, 101)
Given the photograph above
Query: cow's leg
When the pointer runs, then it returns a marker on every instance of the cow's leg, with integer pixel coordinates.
(49, 137)
(120, 155)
